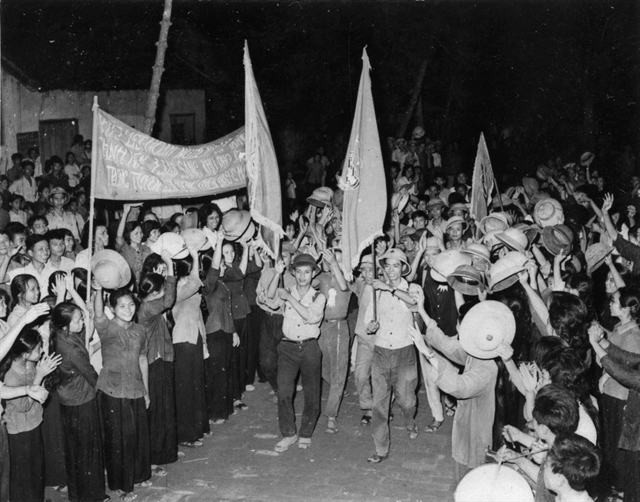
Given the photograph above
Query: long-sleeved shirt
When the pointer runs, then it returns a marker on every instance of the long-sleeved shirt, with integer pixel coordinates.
(625, 368)
(189, 324)
(78, 379)
(295, 327)
(629, 251)
(22, 414)
(218, 298)
(475, 391)
(627, 337)
(160, 345)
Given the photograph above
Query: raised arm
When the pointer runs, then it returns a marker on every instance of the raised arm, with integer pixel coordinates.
(123, 221)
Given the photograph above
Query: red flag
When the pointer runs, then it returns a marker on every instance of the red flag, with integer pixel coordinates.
(483, 182)
(263, 177)
(363, 180)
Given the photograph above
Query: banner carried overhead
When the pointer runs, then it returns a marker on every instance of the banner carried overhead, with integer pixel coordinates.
(483, 182)
(130, 165)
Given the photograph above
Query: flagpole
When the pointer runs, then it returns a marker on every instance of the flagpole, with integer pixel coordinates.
(375, 276)
(92, 194)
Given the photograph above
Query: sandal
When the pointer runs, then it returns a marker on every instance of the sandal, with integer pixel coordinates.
(376, 458)
(191, 444)
(106, 498)
(157, 470)
(450, 409)
(433, 426)
(284, 443)
(218, 421)
(365, 421)
(304, 443)
(239, 405)
(332, 426)
(412, 431)
(127, 496)
(144, 484)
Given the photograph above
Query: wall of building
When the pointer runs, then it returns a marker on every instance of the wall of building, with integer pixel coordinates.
(23, 109)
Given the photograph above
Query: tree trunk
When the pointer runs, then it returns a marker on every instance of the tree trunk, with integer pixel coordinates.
(415, 94)
(158, 68)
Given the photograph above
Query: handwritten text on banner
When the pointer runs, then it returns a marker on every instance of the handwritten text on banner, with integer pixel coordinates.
(134, 166)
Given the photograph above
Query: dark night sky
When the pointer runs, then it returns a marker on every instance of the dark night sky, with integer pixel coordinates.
(534, 65)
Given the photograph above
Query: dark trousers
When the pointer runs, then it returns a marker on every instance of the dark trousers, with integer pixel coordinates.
(270, 336)
(83, 452)
(191, 402)
(253, 342)
(305, 358)
(126, 441)
(217, 374)
(238, 375)
(616, 460)
(27, 466)
(53, 443)
(5, 463)
(163, 431)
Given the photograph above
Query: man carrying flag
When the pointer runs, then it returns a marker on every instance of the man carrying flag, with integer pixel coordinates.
(483, 182)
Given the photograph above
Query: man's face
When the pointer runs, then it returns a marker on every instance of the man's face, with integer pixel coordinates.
(439, 181)
(19, 240)
(40, 252)
(393, 268)
(422, 205)
(430, 256)
(303, 275)
(462, 178)
(462, 190)
(459, 212)
(419, 222)
(434, 190)
(366, 270)
(455, 232)
(39, 227)
(407, 243)
(435, 212)
(57, 247)
(28, 170)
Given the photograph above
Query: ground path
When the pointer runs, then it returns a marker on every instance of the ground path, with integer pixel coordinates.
(238, 463)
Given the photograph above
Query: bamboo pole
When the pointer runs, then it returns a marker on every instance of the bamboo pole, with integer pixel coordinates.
(158, 68)
(92, 194)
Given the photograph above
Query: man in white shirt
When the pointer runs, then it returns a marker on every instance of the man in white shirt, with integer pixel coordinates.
(26, 184)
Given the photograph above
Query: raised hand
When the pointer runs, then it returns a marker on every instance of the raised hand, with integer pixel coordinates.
(595, 333)
(505, 351)
(530, 376)
(608, 202)
(35, 311)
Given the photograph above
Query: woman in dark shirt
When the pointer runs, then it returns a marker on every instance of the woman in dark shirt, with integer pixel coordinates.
(233, 273)
(78, 406)
(158, 296)
(221, 338)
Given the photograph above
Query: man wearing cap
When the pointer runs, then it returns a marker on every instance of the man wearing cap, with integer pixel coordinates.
(58, 217)
(299, 352)
(394, 358)
(272, 307)
(435, 207)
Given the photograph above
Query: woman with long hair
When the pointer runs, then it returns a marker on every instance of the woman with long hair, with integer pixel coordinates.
(78, 406)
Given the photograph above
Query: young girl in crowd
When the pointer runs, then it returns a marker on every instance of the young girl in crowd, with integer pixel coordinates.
(129, 243)
(78, 405)
(157, 296)
(25, 293)
(190, 351)
(123, 395)
(25, 367)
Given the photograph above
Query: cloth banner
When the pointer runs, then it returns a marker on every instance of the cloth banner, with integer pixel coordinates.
(263, 176)
(363, 179)
(483, 182)
(131, 165)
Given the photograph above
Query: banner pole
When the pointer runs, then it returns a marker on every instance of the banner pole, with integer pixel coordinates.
(375, 276)
(92, 195)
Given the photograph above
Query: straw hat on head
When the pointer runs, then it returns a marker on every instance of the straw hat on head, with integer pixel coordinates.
(366, 260)
(459, 206)
(504, 198)
(595, 255)
(485, 327)
(447, 262)
(321, 197)
(456, 219)
(435, 202)
(493, 222)
(548, 212)
(173, 243)
(491, 240)
(401, 140)
(238, 226)
(468, 280)
(433, 243)
(504, 272)
(475, 249)
(56, 191)
(110, 269)
(557, 239)
(397, 254)
(196, 238)
(514, 239)
(587, 158)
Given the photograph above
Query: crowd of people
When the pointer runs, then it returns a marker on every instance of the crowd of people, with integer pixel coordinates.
(522, 325)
